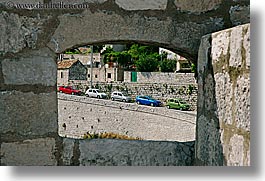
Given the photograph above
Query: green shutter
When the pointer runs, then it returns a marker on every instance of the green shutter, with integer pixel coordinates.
(134, 76)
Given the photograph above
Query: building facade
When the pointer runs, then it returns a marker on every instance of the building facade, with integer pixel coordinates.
(70, 70)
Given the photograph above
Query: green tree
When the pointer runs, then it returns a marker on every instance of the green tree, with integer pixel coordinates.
(72, 51)
(147, 63)
(168, 65)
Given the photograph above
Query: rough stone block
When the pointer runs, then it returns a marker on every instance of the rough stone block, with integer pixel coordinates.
(242, 102)
(220, 45)
(28, 113)
(18, 32)
(196, 6)
(236, 155)
(36, 152)
(246, 44)
(236, 47)
(142, 4)
(68, 148)
(239, 14)
(30, 69)
(135, 153)
(224, 97)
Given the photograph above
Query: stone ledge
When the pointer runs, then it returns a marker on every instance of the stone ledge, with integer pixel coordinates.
(36, 152)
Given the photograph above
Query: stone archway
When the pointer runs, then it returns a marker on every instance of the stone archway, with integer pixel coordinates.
(29, 41)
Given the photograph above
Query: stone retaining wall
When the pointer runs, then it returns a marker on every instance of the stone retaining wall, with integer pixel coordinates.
(161, 91)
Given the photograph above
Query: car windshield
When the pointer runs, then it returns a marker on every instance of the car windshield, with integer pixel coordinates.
(182, 102)
(150, 98)
(125, 94)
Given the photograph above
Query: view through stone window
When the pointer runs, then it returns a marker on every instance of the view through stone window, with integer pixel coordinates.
(136, 92)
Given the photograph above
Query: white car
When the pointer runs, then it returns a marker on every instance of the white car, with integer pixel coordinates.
(95, 93)
(120, 96)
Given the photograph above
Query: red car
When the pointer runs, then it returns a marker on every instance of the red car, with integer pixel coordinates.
(69, 90)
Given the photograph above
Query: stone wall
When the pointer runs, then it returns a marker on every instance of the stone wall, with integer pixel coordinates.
(187, 92)
(78, 115)
(30, 40)
(223, 119)
(161, 77)
(108, 152)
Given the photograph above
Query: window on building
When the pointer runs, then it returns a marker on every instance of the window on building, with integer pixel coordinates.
(96, 76)
(88, 75)
(61, 75)
(109, 75)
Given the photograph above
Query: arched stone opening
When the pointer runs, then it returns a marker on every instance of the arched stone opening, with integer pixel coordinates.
(148, 123)
(28, 96)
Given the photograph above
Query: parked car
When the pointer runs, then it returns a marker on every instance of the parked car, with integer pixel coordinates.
(147, 100)
(177, 104)
(95, 93)
(120, 96)
(69, 90)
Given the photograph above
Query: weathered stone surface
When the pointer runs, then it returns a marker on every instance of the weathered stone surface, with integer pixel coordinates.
(246, 45)
(230, 89)
(36, 152)
(161, 30)
(236, 47)
(239, 14)
(135, 153)
(20, 4)
(32, 68)
(220, 43)
(68, 151)
(195, 6)
(18, 32)
(242, 102)
(142, 4)
(236, 156)
(28, 113)
(208, 146)
(82, 115)
(224, 97)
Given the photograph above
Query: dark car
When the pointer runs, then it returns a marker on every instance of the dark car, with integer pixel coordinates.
(147, 100)
(69, 90)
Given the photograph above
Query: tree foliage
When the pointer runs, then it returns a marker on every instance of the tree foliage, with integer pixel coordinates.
(147, 63)
(168, 65)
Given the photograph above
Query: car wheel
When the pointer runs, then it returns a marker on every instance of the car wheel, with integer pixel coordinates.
(152, 104)
(138, 102)
(181, 109)
(124, 100)
(98, 97)
(87, 95)
(112, 99)
(73, 93)
(168, 107)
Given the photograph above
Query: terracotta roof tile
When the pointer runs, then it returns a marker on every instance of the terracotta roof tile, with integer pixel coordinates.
(66, 64)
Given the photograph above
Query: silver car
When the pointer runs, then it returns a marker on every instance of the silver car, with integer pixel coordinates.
(95, 93)
(120, 96)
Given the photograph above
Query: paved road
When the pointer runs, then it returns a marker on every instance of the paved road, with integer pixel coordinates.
(82, 114)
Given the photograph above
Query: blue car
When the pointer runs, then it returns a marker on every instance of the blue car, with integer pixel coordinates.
(147, 100)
